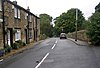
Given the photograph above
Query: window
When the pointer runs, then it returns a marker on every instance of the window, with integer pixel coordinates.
(12, 6)
(6, 21)
(26, 15)
(0, 6)
(18, 35)
(15, 12)
(19, 13)
(30, 18)
(30, 34)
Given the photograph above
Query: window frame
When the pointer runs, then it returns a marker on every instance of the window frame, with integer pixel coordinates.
(0, 5)
(30, 18)
(30, 34)
(18, 35)
(17, 13)
(26, 15)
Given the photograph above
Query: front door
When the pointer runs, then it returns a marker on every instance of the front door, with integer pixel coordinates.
(26, 40)
(8, 37)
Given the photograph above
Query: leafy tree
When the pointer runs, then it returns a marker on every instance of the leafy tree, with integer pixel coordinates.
(45, 24)
(66, 21)
(97, 8)
(94, 28)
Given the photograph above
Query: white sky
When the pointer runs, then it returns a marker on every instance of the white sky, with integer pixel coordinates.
(55, 7)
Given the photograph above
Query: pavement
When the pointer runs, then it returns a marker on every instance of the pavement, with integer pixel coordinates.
(78, 42)
(20, 50)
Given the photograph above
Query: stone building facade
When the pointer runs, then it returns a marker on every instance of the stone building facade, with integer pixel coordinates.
(19, 24)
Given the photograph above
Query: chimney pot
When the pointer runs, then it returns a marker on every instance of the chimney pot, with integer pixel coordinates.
(15, 2)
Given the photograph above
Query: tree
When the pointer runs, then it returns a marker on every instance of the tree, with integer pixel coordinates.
(45, 24)
(97, 8)
(93, 30)
(66, 21)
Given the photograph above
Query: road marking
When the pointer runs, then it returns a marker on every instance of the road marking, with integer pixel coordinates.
(1, 60)
(56, 41)
(53, 46)
(42, 60)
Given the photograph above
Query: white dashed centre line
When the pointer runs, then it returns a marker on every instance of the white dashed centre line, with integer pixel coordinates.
(53, 46)
(56, 41)
(42, 60)
(46, 55)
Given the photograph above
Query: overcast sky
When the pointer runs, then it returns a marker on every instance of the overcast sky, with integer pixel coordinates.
(55, 7)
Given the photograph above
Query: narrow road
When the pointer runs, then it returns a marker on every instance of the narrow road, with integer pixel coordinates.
(55, 53)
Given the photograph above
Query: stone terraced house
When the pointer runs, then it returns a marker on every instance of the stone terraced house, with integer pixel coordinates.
(17, 23)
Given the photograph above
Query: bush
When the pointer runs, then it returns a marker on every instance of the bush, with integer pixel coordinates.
(15, 45)
(20, 43)
(93, 30)
(43, 36)
(24, 44)
(7, 49)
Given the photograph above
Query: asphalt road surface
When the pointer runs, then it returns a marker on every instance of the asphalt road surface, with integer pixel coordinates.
(55, 53)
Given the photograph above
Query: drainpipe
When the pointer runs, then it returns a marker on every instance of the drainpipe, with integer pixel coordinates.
(36, 28)
(3, 23)
(28, 23)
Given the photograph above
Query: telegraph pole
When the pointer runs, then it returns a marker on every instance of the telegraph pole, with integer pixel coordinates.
(76, 24)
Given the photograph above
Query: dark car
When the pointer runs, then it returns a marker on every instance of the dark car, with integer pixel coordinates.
(63, 36)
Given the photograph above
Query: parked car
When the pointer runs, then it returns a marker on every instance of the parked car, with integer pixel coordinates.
(63, 36)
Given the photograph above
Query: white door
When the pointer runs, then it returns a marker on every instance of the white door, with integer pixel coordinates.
(8, 38)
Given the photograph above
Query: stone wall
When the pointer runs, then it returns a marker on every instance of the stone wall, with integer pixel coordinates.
(81, 35)
(18, 20)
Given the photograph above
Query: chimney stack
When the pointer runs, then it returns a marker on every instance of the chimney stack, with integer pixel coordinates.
(28, 8)
(15, 2)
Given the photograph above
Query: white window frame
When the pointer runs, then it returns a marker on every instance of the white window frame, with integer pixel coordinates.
(18, 35)
(0, 5)
(19, 13)
(15, 12)
(26, 15)
(12, 6)
(30, 18)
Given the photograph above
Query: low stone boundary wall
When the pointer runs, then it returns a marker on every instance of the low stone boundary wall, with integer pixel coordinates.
(81, 35)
